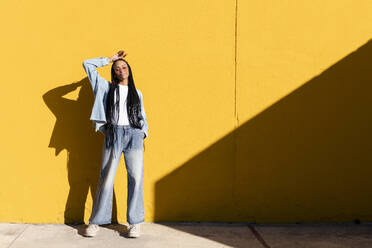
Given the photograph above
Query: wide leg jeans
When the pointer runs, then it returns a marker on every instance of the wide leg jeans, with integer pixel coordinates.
(130, 142)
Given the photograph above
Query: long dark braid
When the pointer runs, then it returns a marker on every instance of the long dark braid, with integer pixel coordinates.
(113, 108)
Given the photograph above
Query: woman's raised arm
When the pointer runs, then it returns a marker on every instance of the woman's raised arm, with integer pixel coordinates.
(90, 67)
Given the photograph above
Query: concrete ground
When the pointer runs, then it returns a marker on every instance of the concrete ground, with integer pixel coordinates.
(174, 234)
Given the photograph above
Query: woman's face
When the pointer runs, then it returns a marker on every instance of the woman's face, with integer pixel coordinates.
(121, 70)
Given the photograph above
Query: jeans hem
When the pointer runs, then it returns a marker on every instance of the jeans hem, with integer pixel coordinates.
(136, 222)
(101, 223)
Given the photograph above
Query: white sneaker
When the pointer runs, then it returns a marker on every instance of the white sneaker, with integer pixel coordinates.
(134, 231)
(91, 230)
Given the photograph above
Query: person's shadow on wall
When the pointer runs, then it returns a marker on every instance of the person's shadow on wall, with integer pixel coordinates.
(74, 132)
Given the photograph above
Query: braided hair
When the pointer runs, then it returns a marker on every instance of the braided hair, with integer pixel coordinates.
(112, 106)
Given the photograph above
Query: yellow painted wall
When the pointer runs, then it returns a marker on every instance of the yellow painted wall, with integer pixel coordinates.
(257, 110)
(304, 111)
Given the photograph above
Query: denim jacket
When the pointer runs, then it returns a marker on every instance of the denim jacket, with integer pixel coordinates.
(100, 88)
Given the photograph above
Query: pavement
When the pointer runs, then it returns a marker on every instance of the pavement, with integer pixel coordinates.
(190, 234)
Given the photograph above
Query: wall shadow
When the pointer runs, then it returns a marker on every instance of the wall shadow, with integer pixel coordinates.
(306, 158)
(74, 132)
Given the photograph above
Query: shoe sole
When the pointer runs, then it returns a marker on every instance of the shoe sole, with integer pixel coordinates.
(133, 235)
(89, 235)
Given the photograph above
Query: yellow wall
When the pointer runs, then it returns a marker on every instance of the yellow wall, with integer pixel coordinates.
(257, 110)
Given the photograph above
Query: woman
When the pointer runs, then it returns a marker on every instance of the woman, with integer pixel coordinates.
(118, 112)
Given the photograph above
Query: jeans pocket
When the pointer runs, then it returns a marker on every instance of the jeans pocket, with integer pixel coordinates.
(137, 140)
(140, 132)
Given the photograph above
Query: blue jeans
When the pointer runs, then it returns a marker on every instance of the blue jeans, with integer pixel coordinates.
(130, 141)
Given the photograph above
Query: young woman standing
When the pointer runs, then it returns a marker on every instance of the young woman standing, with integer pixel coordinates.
(118, 112)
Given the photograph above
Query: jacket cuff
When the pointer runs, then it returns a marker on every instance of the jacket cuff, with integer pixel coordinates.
(105, 60)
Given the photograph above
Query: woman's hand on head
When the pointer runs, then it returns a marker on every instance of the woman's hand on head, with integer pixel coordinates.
(117, 56)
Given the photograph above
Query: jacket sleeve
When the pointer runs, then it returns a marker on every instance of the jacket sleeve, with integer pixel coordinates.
(90, 67)
(145, 127)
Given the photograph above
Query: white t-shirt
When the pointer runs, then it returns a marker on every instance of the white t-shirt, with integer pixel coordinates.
(123, 116)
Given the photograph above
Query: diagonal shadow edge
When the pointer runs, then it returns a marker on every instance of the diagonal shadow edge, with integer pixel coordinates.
(303, 159)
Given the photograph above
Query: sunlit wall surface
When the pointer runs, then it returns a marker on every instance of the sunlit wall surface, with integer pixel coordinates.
(258, 111)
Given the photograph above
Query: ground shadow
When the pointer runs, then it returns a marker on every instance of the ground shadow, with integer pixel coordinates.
(306, 158)
(74, 132)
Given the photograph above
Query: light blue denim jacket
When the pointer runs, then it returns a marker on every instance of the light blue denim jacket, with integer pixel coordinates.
(100, 88)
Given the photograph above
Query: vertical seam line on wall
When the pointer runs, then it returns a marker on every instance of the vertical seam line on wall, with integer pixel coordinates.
(236, 119)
